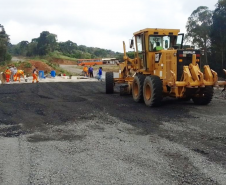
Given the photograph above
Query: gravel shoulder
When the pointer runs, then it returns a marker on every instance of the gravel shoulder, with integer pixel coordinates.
(74, 133)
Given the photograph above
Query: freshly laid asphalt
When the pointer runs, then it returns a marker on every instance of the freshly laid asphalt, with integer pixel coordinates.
(74, 133)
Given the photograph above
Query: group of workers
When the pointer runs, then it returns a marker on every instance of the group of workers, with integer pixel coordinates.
(12, 74)
(88, 72)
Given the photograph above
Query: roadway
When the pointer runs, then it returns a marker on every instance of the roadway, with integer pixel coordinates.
(74, 133)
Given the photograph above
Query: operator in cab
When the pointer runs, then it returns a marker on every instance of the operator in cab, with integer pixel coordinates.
(158, 47)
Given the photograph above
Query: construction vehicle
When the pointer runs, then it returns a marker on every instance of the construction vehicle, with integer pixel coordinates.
(161, 67)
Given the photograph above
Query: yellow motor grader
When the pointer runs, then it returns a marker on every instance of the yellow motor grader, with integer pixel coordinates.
(162, 68)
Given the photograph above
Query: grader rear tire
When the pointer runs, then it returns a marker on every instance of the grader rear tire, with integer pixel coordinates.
(109, 82)
(205, 96)
(137, 88)
(184, 99)
(152, 91)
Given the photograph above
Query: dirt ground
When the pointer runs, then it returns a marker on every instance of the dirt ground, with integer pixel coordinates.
(64, 61)
(74, 133)
(112, 68)
(77, 70)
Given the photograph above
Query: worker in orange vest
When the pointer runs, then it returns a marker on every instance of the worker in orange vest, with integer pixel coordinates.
(7, 74)
(18, 74)
(35, 75)
(85, 69)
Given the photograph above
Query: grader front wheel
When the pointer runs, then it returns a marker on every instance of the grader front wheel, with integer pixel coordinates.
(152, 91)
(204, 97)
(137, 88)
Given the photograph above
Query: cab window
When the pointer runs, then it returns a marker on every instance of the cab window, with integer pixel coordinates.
(139, 44)
(165, 42)
(155, 41)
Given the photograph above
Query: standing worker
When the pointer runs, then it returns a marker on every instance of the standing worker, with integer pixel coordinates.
(7, 74)
(12, 73)
(85, 70)
(35, 75)
(99, 74)
(90, 72)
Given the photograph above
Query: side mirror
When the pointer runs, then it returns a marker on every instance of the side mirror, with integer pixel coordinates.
(131, 43)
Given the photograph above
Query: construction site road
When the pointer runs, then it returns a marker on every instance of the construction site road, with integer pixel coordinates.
(75, 70)
(74, 133)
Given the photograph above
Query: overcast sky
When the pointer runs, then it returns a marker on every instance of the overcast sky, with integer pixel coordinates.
(94, 23)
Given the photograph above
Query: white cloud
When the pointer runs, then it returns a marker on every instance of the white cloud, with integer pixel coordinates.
(99, 23)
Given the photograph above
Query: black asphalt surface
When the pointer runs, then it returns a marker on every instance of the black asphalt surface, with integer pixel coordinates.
(74, 133)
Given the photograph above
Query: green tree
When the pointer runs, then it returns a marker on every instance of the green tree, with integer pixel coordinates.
(4, 40)
(82, 48)
(100, 52)
(32, 48)
(51, 42)
(47, 42)
(86, 55)
(218, 34)
(67, 47)
(77, 54)
(198, 29)
(23, 47)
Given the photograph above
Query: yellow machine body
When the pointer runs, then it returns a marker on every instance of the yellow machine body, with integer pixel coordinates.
(159, 54)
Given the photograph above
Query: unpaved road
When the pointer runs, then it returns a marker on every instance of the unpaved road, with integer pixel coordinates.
(74, 70)
(17, 59)
(74, 133)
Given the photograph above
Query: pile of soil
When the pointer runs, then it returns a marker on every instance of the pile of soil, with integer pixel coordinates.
(41, 66)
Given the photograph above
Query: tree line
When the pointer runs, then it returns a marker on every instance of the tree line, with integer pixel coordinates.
(4, 40)
(206, 30)
(47, 43)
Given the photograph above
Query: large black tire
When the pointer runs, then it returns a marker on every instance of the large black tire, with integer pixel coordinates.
(184, 99)
(137, 88)
(152, 91)
(204, 96)
(109, 78)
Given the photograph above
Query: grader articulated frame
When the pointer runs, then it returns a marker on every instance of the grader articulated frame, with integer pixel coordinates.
(162, 68)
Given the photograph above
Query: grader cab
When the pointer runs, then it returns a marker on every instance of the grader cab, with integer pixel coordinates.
(161, 67)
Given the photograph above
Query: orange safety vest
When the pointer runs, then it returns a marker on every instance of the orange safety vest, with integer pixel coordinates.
(85, 69)
(8, 72)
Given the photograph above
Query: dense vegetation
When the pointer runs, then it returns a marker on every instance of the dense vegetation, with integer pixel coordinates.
(205, 30)
(4, 40)
(47, 43)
